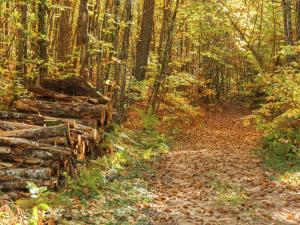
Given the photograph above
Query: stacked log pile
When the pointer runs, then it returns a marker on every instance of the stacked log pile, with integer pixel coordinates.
(48, 135)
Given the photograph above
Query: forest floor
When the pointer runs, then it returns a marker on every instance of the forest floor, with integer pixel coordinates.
(213, 176)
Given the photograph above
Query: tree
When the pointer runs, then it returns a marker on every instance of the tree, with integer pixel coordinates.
(287, 21)
(42, 40)
(159, 79)
(144, 40)
(64, 32)
(83, 38)
(21, 67)
(124, 58)
(298, 20)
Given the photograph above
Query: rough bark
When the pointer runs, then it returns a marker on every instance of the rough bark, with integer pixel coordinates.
(39, 133)
(42, 40)
(39, 173)
(287, 19)
(22, 184)
(36, 119)
(27, 144)
(124, 57)
(22, 42)
(61, 109)
(6, 125)
(75, 86)
(298, 20)
(83, 38)
(64, 32)
(144, 40)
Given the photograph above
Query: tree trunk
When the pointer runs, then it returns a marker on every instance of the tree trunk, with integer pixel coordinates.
(83, 38)
(124, 58)
(298, 20)
(154, 98)
(64, 32)
(42, 40)
(22, 43)
(287, 18)
(144, 41)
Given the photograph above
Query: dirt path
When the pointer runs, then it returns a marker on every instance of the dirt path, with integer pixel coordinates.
(213, 177)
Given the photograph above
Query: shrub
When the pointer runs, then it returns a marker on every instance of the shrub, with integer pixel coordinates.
(279, 117)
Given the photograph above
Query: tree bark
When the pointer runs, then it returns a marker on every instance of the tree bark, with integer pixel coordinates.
(124, 58)
(64, 32)
(39, 133)
(22, 43)
(298, 20)
(6, 125)
(42, 40)
(154, 98)
(39, 173)
(62, 109)
(144, 41)
(287, 19)
(83, 38)
(33, 145)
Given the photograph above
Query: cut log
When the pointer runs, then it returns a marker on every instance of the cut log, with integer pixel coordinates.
(6, 125)
(5, 150)
(41, 92)
(21, 184)
(74, 86)
(54, 141)
(45, 120)
(27, 144)
(39, 173)
(28, 160)
(39, 133)
(20, 116)
(61, 109)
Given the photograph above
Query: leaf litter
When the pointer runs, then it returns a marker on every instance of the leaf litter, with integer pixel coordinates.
(213, 176)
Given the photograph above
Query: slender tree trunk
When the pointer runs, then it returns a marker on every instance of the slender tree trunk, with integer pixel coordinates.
(124, 58)
(153, 100)
(164, 29)
(42, 41)
(83, 38)
(103, 38)
(298, 20)
(287, 18)
(22, 42)
(117, 66)
(144, 41)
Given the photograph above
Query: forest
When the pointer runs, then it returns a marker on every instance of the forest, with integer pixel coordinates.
(167, 112)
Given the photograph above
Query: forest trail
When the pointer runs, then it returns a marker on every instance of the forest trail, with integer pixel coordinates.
(213, 177)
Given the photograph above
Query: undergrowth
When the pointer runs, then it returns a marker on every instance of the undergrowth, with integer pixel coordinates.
(111, 190)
